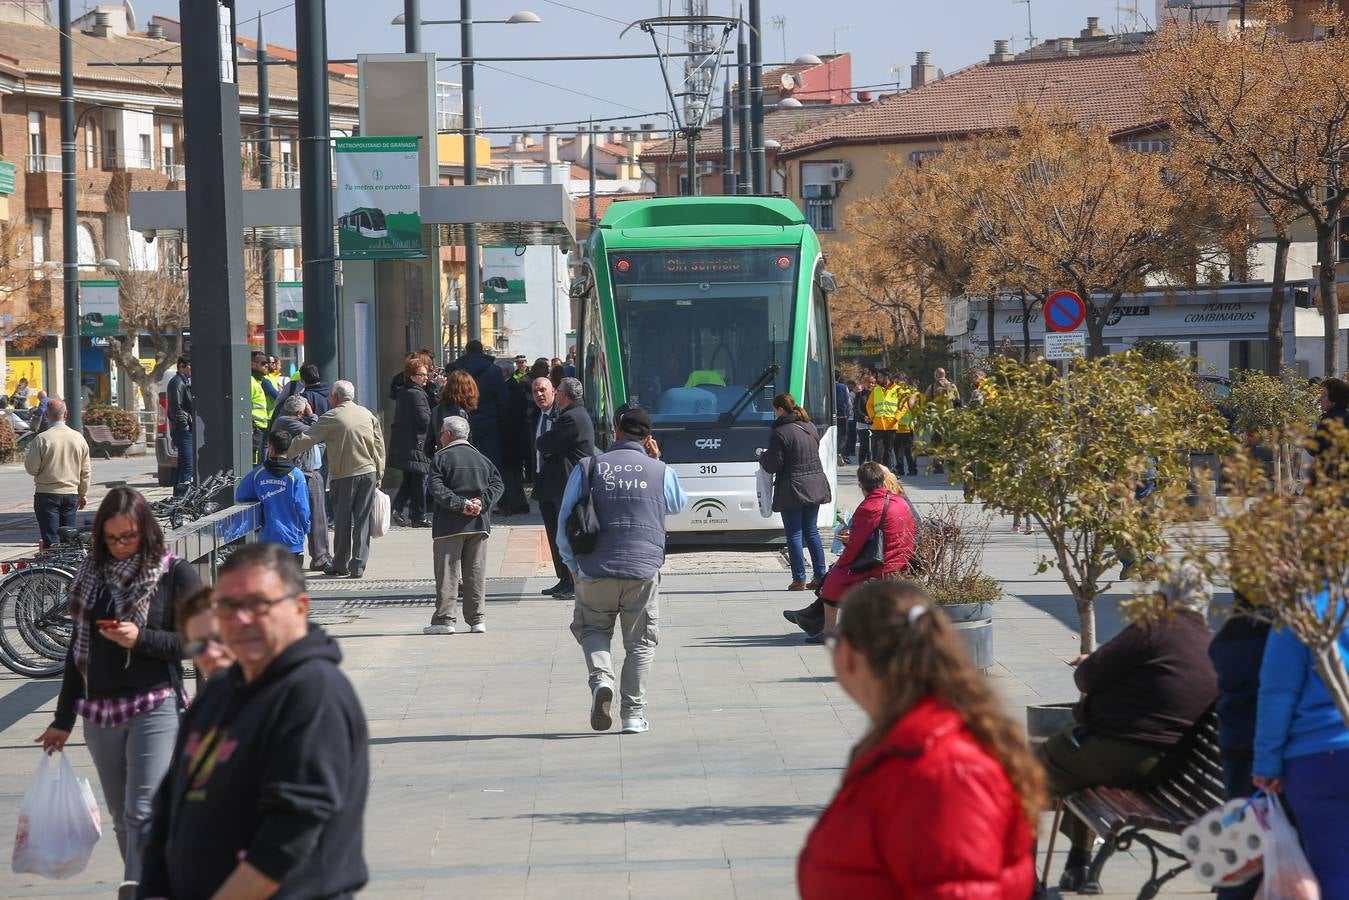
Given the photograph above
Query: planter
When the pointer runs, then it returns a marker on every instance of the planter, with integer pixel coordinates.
(1044, 720)
(974, 621)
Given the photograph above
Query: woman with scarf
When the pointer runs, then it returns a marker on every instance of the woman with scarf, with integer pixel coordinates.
(123, 674)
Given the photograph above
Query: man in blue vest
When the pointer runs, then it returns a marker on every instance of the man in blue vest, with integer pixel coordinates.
(632, 492)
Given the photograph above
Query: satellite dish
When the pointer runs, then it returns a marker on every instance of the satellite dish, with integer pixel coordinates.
(130, 15)
(788, 82)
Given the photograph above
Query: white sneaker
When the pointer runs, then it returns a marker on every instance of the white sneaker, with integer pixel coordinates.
(635, 725)
(438, 629)
(480, 628)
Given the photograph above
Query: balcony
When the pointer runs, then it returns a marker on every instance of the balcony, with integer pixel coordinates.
(43, 163)
(126, 159)
(176, 172)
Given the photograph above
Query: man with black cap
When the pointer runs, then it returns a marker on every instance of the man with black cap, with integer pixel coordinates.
(632, 492)
(521, 368)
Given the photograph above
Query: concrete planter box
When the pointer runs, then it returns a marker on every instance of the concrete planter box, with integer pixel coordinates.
(974, 621)
(1044, 720)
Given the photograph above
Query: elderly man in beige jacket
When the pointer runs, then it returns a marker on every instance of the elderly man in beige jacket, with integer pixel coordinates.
(58, 460)
(355, 445)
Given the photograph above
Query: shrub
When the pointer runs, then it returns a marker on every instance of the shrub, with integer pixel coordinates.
(9, 444)
(949, 556)
(123, 422)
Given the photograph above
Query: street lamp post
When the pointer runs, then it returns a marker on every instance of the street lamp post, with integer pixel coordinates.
(411, 14)
(70, 288)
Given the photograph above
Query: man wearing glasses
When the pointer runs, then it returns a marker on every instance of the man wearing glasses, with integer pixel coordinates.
(267, 790)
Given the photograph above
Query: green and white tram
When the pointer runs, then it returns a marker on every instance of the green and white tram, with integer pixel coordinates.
(701, 309)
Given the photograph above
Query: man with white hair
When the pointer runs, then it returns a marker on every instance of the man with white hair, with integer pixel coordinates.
(295, 416)
(464, 486)
(58, 460)
(355, 444)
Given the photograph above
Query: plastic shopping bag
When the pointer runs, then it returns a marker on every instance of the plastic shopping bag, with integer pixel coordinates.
(763, 488)
(59, 822)
(381, 514)
(1287, 873)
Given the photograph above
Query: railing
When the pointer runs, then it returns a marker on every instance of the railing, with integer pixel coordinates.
(126, 159)
(43, 163)
(287, 176)
(175, 171)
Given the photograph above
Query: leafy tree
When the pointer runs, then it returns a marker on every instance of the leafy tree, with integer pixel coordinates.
(24, 294)
(1269, 114)
(1281, 552)
(879, 295)
(1069, 452)
(1262, 406)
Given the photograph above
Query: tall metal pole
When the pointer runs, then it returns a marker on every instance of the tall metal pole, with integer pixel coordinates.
(412, 26)
(215, 230)
(594, 219)
(70, 252)
(316, 190)
(691, 151)
(472, 276)
(746, 167)
(269, 337)
(756, 98)
(727, 148)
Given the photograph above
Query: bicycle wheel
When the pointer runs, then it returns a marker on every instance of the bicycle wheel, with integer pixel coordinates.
(34, 630)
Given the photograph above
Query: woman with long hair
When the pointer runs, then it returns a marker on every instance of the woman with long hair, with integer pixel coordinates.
(942, 794)
(800, 488)
(458, 397)
(123, 674)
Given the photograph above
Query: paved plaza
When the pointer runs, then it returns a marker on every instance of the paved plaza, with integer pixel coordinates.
(488, 783)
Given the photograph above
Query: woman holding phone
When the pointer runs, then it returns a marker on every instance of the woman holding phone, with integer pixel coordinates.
(123, 674)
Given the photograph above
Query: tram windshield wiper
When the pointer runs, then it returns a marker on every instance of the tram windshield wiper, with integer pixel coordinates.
(740, 405)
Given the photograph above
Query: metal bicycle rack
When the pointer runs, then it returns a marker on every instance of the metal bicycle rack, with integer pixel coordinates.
(200, 541)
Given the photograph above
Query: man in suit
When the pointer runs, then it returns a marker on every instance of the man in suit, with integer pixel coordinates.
(563, 436)
(181, 421)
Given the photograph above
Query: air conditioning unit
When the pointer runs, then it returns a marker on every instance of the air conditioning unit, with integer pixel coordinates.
(840, 171)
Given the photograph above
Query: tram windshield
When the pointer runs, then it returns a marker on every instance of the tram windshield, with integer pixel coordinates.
(701, 330)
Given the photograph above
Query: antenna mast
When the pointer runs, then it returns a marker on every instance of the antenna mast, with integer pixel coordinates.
(698, 67)
(1030, 29)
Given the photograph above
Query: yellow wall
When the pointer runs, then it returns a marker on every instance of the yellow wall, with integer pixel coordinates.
(450, 149)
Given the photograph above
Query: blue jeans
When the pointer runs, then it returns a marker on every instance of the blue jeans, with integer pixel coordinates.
(1317, 787)
(183, 445)
(54, 511)
(802, 528)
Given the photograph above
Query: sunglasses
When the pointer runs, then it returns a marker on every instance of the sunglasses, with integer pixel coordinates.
(198, 647)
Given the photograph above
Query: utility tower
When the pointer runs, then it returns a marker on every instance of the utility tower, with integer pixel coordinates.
(700, 64)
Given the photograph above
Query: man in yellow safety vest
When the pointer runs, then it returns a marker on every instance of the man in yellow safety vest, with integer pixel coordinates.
(883, 407)
(904, 419)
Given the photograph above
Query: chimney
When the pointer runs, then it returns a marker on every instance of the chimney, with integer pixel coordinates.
(922, 72)
(518, 143)
(527, 139)
(648, 130)
(154, 31)
(550, 145)
(1093, 29)
(629, 135)
(102, 24)
(1000, 53)
(1066, 46)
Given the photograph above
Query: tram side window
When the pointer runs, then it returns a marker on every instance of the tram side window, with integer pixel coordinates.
(818, 397)
(594, 376)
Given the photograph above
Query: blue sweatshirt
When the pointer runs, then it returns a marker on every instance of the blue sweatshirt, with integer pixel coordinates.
(1295, 715)
(280, 487)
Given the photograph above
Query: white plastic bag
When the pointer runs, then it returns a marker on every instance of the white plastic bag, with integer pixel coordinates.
(763, 488)
(1288, 876)
(59, 822)
(381, 514)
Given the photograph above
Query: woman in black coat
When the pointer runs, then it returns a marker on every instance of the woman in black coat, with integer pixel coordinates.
(123, 674)
(407, 446)
(800, 488)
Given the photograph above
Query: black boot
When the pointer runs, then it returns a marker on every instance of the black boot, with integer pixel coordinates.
(809, 619)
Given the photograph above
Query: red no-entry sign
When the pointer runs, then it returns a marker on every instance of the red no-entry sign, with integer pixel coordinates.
(1064, 311)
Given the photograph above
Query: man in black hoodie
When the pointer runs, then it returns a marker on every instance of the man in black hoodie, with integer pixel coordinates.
(266, 794)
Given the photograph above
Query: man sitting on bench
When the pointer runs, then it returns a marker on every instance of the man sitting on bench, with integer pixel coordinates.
(1140, 692)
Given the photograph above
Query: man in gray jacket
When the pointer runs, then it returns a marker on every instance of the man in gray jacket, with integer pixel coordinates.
(355, 445)
(295, 418)
(464, 487)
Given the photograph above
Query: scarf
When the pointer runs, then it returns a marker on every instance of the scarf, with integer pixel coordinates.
(132, 582)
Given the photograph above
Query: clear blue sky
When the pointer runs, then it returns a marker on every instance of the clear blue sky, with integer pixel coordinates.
(879, 34)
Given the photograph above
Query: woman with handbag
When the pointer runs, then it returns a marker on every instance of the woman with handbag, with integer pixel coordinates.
(122, 669)
(879, 543)
(407, 447)
(800, 488)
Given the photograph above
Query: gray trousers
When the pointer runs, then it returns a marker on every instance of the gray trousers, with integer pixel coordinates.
(318, 521)
(131, 760)
(462, 557)
(353, 499)
(635, 606)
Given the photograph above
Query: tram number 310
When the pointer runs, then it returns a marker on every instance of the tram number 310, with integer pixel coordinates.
(707, 470)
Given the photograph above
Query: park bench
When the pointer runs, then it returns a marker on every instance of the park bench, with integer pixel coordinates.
(102, 441)
(1191, 785)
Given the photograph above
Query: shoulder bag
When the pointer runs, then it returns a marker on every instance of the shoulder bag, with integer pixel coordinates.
(583, 524)
(873, 551)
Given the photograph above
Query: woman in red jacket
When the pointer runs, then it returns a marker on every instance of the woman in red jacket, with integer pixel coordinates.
(880, 508)
(941, 797)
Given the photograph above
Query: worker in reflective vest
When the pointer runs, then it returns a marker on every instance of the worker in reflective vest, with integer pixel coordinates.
(883, 406)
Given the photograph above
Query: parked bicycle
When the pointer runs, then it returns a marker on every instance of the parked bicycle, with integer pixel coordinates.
(35, 624)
